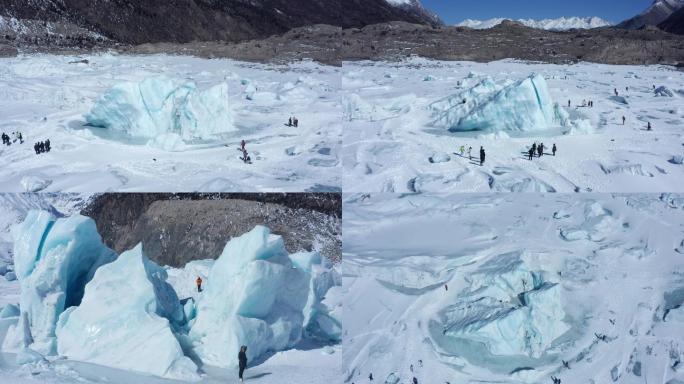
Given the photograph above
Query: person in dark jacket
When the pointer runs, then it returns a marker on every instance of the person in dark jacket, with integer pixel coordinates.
(482, 156)
(242, 361)
(554, 149)
(531, 153)
(47, 145)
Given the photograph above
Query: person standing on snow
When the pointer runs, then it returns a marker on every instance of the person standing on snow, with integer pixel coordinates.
(470, 151)
(541, 149)
(289, 122)
(482, 156)
(415, 381)
(199, 284)
(531, 153)
(296, 122)
(47, 145)
(242, 361)
(648, 127)
(242, 145)
(462, 150)
(553, 149)
(624, 119)
(370, 377)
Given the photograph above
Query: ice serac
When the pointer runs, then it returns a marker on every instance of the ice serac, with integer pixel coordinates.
(254, 296)
(158, 107)
(521, 106)
(511, 310)
(127, 320)
(323, 310)
(54, 260)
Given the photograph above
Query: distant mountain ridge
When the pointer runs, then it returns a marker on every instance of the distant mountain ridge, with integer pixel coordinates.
(657, 13)
(559, 24)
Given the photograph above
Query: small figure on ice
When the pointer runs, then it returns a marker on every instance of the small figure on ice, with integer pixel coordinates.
(370, 377)
(199, 284)
(470, 153)
(554, 149)
(624, 120)
(242, 361)
(531, 153)
(648, 127)
(482, 156)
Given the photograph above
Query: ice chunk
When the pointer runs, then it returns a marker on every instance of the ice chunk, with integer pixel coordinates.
(54, 259)
(159, 106)
(10, 310)
(29, 356)
(663, 91)
(10, 276)
(525, 105)
(439, 157)
(126, 319)
(322, 318)
(253, 297)
(34, 183)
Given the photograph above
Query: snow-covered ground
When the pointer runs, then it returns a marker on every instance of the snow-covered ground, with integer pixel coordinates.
(402, 132)
(504, 288)
(48, 97)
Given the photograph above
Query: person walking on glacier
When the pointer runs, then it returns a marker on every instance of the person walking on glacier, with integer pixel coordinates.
(199, 284)
(482, 156)
(531, 153)
(242, 361)
(470, 153)
(553, 149)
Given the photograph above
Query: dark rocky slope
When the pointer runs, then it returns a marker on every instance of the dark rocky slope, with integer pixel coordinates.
(675, 23)
(658, 12)
(512, 40)
(180, 21)
(177, 228)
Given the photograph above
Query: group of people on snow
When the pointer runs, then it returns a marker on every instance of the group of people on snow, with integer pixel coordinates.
(539, 150)
(7, 140)
(42, 147)
(462, 152)
(293, 122)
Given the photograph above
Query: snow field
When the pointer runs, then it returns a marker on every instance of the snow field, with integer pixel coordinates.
(544, 276)
(405, 124)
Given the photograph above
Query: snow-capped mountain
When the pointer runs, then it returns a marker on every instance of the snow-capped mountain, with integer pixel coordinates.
(416, 9)
(560, 24)
(657, 13)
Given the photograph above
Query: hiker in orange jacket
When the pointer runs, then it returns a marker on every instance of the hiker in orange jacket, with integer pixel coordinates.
(199, 284)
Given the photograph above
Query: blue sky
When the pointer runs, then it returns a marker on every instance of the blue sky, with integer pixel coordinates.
(454, 11)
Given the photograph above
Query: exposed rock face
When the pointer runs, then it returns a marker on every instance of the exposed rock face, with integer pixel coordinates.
(176, 229)
(674, 23)
(397, 40)
(180, 21)
(658, 12)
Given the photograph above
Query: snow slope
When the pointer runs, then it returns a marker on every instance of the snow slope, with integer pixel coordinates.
(195, 140)
(504, 288)
(398, 117)
(559, 24)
